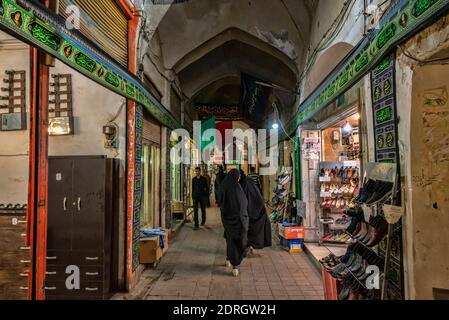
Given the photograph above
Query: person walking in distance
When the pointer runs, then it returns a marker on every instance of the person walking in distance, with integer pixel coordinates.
(209, 181)
(256, 178)
(200, 192)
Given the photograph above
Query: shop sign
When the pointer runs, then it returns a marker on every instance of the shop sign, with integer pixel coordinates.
(350, 163)
(220, 112)
(311, 147)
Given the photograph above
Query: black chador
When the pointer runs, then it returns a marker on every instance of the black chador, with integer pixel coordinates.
(221, 175)
(259, 231)
(234, 215)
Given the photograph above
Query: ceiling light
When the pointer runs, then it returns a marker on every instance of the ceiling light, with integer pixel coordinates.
(347, 127)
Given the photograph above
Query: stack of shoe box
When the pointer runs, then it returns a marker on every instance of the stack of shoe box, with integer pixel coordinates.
(291, 237)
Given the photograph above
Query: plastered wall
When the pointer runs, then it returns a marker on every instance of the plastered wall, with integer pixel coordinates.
(14, 145)
(93, 107)
(425, 233)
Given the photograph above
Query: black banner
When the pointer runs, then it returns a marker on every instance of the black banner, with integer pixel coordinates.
(254, 99)
(220, 112)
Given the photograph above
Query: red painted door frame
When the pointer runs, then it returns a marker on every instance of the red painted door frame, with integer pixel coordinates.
(130, 161)
(38, 162)
(38, 172)
(41, 200)
(31, 168)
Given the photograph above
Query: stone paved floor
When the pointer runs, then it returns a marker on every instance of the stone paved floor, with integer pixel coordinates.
(193, 268)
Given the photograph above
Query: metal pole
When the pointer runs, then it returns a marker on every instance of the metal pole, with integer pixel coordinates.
(388, 251)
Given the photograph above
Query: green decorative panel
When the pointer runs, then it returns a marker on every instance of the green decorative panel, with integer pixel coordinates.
(422, 6)
(386, 35)
(384, 108)
(42, 29)
(385, 132)
(384, 114)
(404, 20)
(138, 185)
(45, 36)
(112, 80)
(85, 62)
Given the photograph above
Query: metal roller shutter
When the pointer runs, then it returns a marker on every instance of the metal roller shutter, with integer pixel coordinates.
(151, 131)
(108, 31)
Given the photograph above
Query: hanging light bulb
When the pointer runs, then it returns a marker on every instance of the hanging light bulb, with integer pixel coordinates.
(347, 127)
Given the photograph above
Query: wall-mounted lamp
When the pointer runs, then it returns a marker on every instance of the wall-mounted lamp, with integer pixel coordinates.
(60, 111)
(60, 126)
(275, 126)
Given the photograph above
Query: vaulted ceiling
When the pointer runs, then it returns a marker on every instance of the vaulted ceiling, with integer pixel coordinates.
(208, 44)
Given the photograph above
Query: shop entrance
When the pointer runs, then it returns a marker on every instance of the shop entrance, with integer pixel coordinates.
(339, 176)
(429, 143)
(151, 185)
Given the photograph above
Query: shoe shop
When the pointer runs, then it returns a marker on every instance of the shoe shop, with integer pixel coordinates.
(347, 196)
(332, 163)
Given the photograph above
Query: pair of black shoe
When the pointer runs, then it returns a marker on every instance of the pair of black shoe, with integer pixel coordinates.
(373, 190)
(357, 217)
(367, 254)
(329, 262)
(350, 261)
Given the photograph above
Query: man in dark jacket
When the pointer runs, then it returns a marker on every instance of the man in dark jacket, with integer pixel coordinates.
(200, 192)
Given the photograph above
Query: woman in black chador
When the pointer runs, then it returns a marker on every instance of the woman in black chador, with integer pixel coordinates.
(219, 178)
(259, 231)
(234, 215)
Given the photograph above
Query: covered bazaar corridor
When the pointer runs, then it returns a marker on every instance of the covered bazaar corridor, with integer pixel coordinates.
(320, 126)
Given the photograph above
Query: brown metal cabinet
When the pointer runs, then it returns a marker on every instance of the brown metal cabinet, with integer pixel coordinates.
(82, 228)
(14, 255)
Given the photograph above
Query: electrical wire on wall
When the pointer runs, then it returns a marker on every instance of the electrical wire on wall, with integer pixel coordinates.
(112, 122)
(444, 60)
(119, 111)
(328, 37)
(153, 55)
(278, 120)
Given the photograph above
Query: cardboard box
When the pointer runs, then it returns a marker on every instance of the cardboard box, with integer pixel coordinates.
(295, 232)
(150, 250)
(292, 245)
